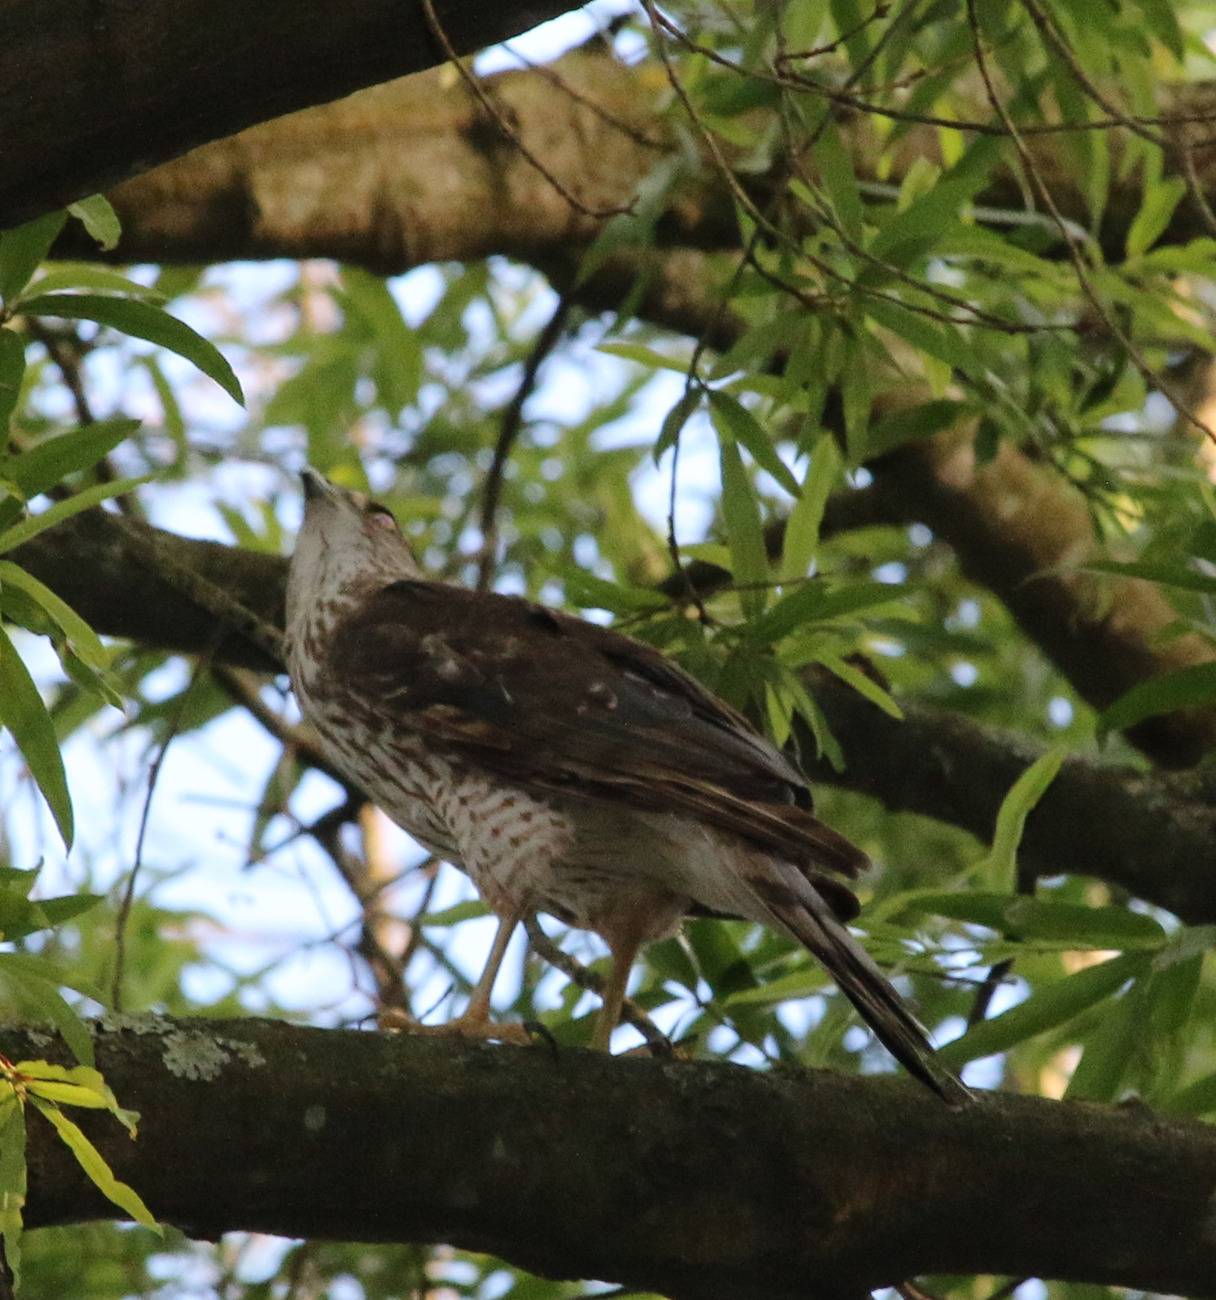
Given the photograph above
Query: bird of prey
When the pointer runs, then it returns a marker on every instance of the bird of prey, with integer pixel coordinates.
(566, 768)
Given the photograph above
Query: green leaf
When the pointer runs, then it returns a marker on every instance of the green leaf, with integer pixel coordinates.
(999, 867)
(939, 340)
(141, 320)
(800, 543)
(1169, 575)
(733, 420)
(836, 172)
(39, 998)
(81, 637)
(930, 218)
(43, 466)
(675, 420)
(80, 275)
(95, 1166)
(588, 591)
(99, 219)
(12, 372)
(1048, 1007)
(1110, 1050)
(644, 356)
(826, 744)
(1184, 688)
(1162, 21)
(12, 1175)
(815, 602)
(913, 424)
(22, 249)
(1156, 209)
(1044, 919)
(453, 915)
(24, 714)
(864, 685)
(22, 532)
(744, 531)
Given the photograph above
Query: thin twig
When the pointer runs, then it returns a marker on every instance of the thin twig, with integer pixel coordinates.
(509, 430)
(545, 948)
(499, 119)
(128, 895)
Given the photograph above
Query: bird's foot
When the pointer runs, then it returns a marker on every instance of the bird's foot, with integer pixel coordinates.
(465, 1026)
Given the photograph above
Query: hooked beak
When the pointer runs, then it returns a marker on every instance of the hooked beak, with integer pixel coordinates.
(315, 485)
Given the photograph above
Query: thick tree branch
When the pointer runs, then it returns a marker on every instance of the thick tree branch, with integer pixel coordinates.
(694, 1180)
(121, 87)
(90, 564)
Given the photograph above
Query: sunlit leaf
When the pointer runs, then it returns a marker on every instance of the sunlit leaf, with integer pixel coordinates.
(24, 714)
(1000, 865)
(1047, 1008)
(95, 1166)
(22, 249)
(141, 320)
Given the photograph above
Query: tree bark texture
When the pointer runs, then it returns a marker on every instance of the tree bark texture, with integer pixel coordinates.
(95, 90)
(693, 1180)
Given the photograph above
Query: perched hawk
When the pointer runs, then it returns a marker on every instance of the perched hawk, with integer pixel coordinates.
(568, 769)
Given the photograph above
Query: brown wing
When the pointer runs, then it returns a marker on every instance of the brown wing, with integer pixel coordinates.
(556, 703)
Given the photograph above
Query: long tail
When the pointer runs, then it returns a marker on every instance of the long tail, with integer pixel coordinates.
(795, 907)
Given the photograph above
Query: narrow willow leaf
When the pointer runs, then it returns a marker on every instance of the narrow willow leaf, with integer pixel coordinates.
(1185, 688)
(22, 249)
(141, 320)
(674, 422)
(744, 530)
(836, 173)
(41, 999)
(453, 915)
(1000, 866)
(80, 275)
(24, 714)
(913, 424)
(826, 744)
(83, 640)
(588, 591)
(861, 683)
(1160, 199)
(99, 219)
(12, 1175)
(1169, 575)
(800, 544)
(734, 420)
(76, 1085)
(1110, 1050)
(95, 1166)
(644, 356)
(12, 372)
(1048, 1007)
(22, 532)
(1042, 918)
(43, 466)
(816, 602)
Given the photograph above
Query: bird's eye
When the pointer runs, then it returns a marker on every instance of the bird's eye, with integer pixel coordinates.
(380, 516)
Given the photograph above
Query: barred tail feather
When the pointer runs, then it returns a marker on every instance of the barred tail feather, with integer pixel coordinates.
(796, 908)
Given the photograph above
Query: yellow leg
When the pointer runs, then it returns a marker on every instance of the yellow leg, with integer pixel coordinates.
(624, 950)
(475, 1021)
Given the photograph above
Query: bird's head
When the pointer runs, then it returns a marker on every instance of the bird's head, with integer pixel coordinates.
(345, 542)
